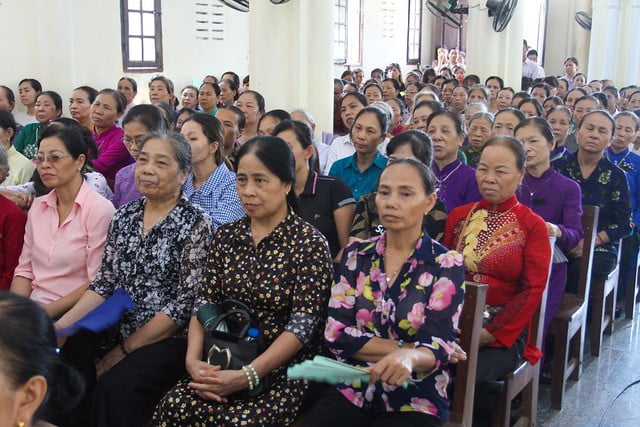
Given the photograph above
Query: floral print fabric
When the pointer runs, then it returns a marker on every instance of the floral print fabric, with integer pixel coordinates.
(162, 271)
(421, 306)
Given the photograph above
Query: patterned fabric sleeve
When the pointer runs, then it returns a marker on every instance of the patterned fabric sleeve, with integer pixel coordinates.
(341, 332)
(212, 262)
(435, 221)
(361, 226)
(313, 281)
(192, 267)
(229, 207)
(443, 308)
(617, 222)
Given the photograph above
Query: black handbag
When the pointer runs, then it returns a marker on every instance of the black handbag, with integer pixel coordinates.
(227, 343)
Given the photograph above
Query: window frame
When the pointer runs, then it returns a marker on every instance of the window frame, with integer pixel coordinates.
(411, 5)
(338, 4)
(141, 66)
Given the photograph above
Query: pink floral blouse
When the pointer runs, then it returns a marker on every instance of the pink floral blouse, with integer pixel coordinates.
(421, 306)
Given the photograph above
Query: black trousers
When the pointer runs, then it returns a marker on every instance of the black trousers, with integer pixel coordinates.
(334, 410)
(628, 262)
(128, 393)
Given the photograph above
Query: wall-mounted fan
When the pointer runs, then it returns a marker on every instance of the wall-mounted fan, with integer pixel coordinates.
(584, 20)
(279, 1)
(239, 5)
(447, 12)
(502, 11)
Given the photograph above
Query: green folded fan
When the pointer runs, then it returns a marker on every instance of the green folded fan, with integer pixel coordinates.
(324, 369)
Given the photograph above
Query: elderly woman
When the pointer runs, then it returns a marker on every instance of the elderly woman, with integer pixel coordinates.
(211, 185)
(479, 132)
(154, 251)
(66, 228)
(559, 119)
(48, 106)
(280, 267)
(138, 123)
(34, 382)
(411, 144)
(505, 245)
(361, 170)
(603, 184)
(12, 222)
(555, 198)
(456, 184)
(252, 105)
(394, 311)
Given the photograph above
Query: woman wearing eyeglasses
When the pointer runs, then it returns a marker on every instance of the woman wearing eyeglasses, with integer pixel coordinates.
(66, 229)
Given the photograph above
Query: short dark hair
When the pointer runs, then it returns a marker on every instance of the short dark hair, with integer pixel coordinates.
(55, 97)
(420, 143)
(543, 86)
(551, 81)
(35, 85)
(92, 93)
(471, 78)
(541, 125)
(215, 86)
(513, 144)
(167, 111)
(426, 174)
(73, 141)
(8, 93)
(167, 83)
(121, 101)
(458, 125)
(276, 156)
(535, 103)
(277, 114)
(259, 99)
(7, 121)
(148, 116)
(499, 79)
(242, 120)
(602, 112)
(629, 114)
(360, 97)
(234, 77)
(511, 110)
(435, 106)
(572, 59)
(302, 131)
(134, 84)
(381, 116)
(376, 70)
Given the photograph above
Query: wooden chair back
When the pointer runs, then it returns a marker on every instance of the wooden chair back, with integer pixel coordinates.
(590, 228)
(470, 324)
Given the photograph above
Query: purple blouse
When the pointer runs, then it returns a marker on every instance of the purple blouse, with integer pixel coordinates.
(125, 190)
(558, 200)
(458, 185)
(113, 154)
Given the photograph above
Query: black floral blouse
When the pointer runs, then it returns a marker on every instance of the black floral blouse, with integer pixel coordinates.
(366, 222)
(162, 271)
(286, 281)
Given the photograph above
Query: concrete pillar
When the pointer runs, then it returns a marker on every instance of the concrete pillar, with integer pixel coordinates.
(627, 70)
(291, 56)
(490, 53)
(604, 39)
(564, 37)
(428, 37)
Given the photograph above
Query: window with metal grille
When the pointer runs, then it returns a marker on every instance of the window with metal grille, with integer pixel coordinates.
(141, 35)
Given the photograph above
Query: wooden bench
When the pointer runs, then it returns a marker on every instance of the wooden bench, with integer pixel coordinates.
(569, 325)
(470, 324)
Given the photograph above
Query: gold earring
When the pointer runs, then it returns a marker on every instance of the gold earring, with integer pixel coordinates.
(21, 424)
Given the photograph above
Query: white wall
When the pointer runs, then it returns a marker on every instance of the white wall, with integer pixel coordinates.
(68, 43)
(564, 36)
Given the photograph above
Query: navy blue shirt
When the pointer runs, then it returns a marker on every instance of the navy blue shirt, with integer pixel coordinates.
(630, 163)
(606, 188)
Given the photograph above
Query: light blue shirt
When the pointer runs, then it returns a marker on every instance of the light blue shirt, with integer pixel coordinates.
(218, 196)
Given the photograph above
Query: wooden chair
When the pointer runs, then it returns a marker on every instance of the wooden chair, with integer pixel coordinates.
(602, 301)
(470, 324)
(569, 325)
(525, 377)
(631, 292)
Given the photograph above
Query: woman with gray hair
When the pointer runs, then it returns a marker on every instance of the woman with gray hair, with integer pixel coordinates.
(155, 251)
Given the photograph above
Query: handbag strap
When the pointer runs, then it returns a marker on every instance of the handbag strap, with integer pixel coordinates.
(243, 313)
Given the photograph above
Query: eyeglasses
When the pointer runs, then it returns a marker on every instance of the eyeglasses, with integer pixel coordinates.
(51, 158)
(129, 141)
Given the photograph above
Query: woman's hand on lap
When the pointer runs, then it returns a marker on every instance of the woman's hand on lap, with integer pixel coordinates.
(216, 385)
(109, 360)
(394, 369)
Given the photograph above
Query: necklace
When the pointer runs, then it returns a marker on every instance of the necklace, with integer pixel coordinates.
(531, 193)
(146, 230)
(443, 180)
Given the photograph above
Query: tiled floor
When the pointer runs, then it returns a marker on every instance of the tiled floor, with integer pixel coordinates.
(590, 401)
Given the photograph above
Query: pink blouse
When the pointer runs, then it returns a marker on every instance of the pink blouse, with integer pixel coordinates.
(59, 259)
